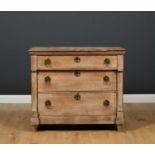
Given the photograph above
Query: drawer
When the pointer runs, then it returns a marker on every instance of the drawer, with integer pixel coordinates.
(77, 103)
(76, 81)
(77, 62)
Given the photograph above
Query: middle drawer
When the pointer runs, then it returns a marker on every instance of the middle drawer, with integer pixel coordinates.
(76, 81)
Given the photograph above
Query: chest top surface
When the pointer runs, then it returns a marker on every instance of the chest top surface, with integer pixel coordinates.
(74, 50)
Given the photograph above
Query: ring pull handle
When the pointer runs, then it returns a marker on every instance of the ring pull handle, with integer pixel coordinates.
(106, 103)
(106, 78)
(48, 104)
(77, 97)
(47, 79)
(77, 59)
(77, 73)
(47, 61)
(107, 61)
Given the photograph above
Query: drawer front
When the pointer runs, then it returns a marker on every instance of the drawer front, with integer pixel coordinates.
(77, 103)
(77, 62)
(76, 81)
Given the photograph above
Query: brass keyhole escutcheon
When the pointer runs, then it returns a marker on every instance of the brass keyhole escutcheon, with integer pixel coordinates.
(77, 59)
(77, 97)
(48, 103)
(47, 61)
(106, 103)
(47, 79)
(77, 73)
(106, 78)
(107, 61)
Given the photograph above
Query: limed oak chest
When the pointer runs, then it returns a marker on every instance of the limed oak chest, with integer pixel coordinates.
(77, 85)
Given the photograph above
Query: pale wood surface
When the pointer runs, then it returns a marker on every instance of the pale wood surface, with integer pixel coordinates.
(76, 50)
(139, 127)
(119, 91)
(120, 114)
(85, 63)
(77, 119)
(67, 81)
(77, 53)
(59, 49)
(34, 105)
(120, 62)
(81, 69)
(34, 63)
(64, 104)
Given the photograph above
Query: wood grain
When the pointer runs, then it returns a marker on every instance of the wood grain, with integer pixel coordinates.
(120, 62)
(85, 53)
(67, 81)
(79, 49)
(120, 91)
(34, 118)
(61, 74)
(120, 114)
(65, 104)
(85, 63)
(120, 117)
(77, 119)
(34, 63)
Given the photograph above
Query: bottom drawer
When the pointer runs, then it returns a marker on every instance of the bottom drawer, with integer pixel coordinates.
(77, 103)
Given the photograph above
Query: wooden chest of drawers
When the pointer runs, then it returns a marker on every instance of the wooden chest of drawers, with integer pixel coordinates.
(77, 85)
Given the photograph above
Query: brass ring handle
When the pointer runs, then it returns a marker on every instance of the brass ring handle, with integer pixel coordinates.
(77, 97)
(106, 78)
(48, 103)
(47, 79)
(77, 59)
(106, 103)
(77, 73)
(107, 61)
(47, 61)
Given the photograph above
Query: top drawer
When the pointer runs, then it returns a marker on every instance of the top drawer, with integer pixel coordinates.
(77, 62)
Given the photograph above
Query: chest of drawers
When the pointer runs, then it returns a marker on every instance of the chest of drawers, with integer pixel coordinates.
(77, 85)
